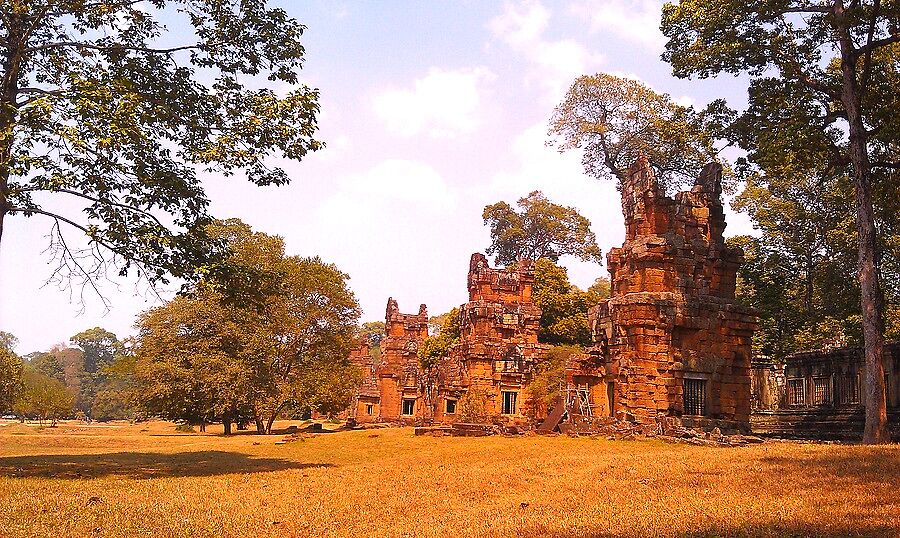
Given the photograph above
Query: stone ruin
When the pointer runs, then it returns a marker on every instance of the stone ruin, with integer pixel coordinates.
(483, 375)
(392, 387)
(498, 347)
(819, 394)
(671, 341)
(671, 344)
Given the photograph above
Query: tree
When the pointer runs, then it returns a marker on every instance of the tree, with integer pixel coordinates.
(194, 363)
(116, 397)
(104, 109)
(10, 378)
(46, 363)
(615, 120)
(545, 388)
(437, 346)
(8, 341)
(842, 107)
(539, 229)
(100, 348)
(373, 330)
(281, 349)
(564, 307)
(43, 398)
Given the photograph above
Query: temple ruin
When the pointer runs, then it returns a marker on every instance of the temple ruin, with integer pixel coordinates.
(819, 394)
(671, 340)
(484, 374)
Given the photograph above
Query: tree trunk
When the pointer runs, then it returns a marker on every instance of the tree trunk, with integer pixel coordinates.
(870, 288)
(226, 423)
(260, 426)
(272, 418)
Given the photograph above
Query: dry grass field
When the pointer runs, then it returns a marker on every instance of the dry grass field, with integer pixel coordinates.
(148, 480)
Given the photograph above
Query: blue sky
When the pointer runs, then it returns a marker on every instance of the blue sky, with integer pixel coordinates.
(430, 111)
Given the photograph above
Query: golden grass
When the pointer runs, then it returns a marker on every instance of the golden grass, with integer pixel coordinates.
(146, 480)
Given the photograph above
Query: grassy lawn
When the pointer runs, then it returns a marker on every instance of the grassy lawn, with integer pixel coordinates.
(148, 480)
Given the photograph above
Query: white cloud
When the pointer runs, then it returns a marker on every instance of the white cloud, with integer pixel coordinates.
(397, 180)
(556, 63)
(561, 178)
(443, 104)
(632, 20)
(521, 25)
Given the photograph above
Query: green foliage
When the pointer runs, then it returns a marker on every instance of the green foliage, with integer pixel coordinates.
(100, 348)
(48, 364)
(8, 341)
(475, 406)
(539, 229)
(438, 345)
(374, 331)
(106, 110)
(116, 398)
(564, 307)
(10, 378)
(43, 398)
(277, 347)
(550, 376)
(615, 120)
(184, 427)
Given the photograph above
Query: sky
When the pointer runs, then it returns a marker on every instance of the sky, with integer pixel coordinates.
(430, 111)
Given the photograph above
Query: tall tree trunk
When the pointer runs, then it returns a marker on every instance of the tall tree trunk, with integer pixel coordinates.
(8, 95)
(260, 426)
(273, 417)
(870, 287)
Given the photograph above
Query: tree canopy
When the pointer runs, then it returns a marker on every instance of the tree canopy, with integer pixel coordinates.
(823, 92)
(111, 111)
(438, 345)
(204, 357)
(10, 378)
(539, 229)
(564, 307)
(614, 120)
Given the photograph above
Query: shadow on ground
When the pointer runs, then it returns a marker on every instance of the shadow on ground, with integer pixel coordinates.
(754, 531)
(875, 466)
(144, 465)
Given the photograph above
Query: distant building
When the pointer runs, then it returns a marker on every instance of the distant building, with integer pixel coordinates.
(820, 394)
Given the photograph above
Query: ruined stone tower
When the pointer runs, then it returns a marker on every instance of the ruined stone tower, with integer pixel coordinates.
(671, 340)
(399, 376)
(498, 344)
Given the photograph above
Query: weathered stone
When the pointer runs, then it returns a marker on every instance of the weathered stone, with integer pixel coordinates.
(672, 315)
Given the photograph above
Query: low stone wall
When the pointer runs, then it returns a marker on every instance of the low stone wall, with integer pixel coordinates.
(827, 424)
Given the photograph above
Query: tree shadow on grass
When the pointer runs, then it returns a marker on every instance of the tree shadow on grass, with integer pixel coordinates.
(872, 466)
(764, 530)
(144, 465)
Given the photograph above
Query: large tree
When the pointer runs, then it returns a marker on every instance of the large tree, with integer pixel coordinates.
(281, 349)
(614, 120)
(10, 375)
(43, 398)
(828, 72)
(110, 110)
(539, 229)
(564, 307)
(100, 348)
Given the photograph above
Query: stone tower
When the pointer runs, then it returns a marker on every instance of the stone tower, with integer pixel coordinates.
(671, 340)
(399, 376)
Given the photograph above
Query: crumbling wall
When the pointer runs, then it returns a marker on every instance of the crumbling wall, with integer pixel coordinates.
(498, 347)
(366, 402)
(821, 396)
(672, 323)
